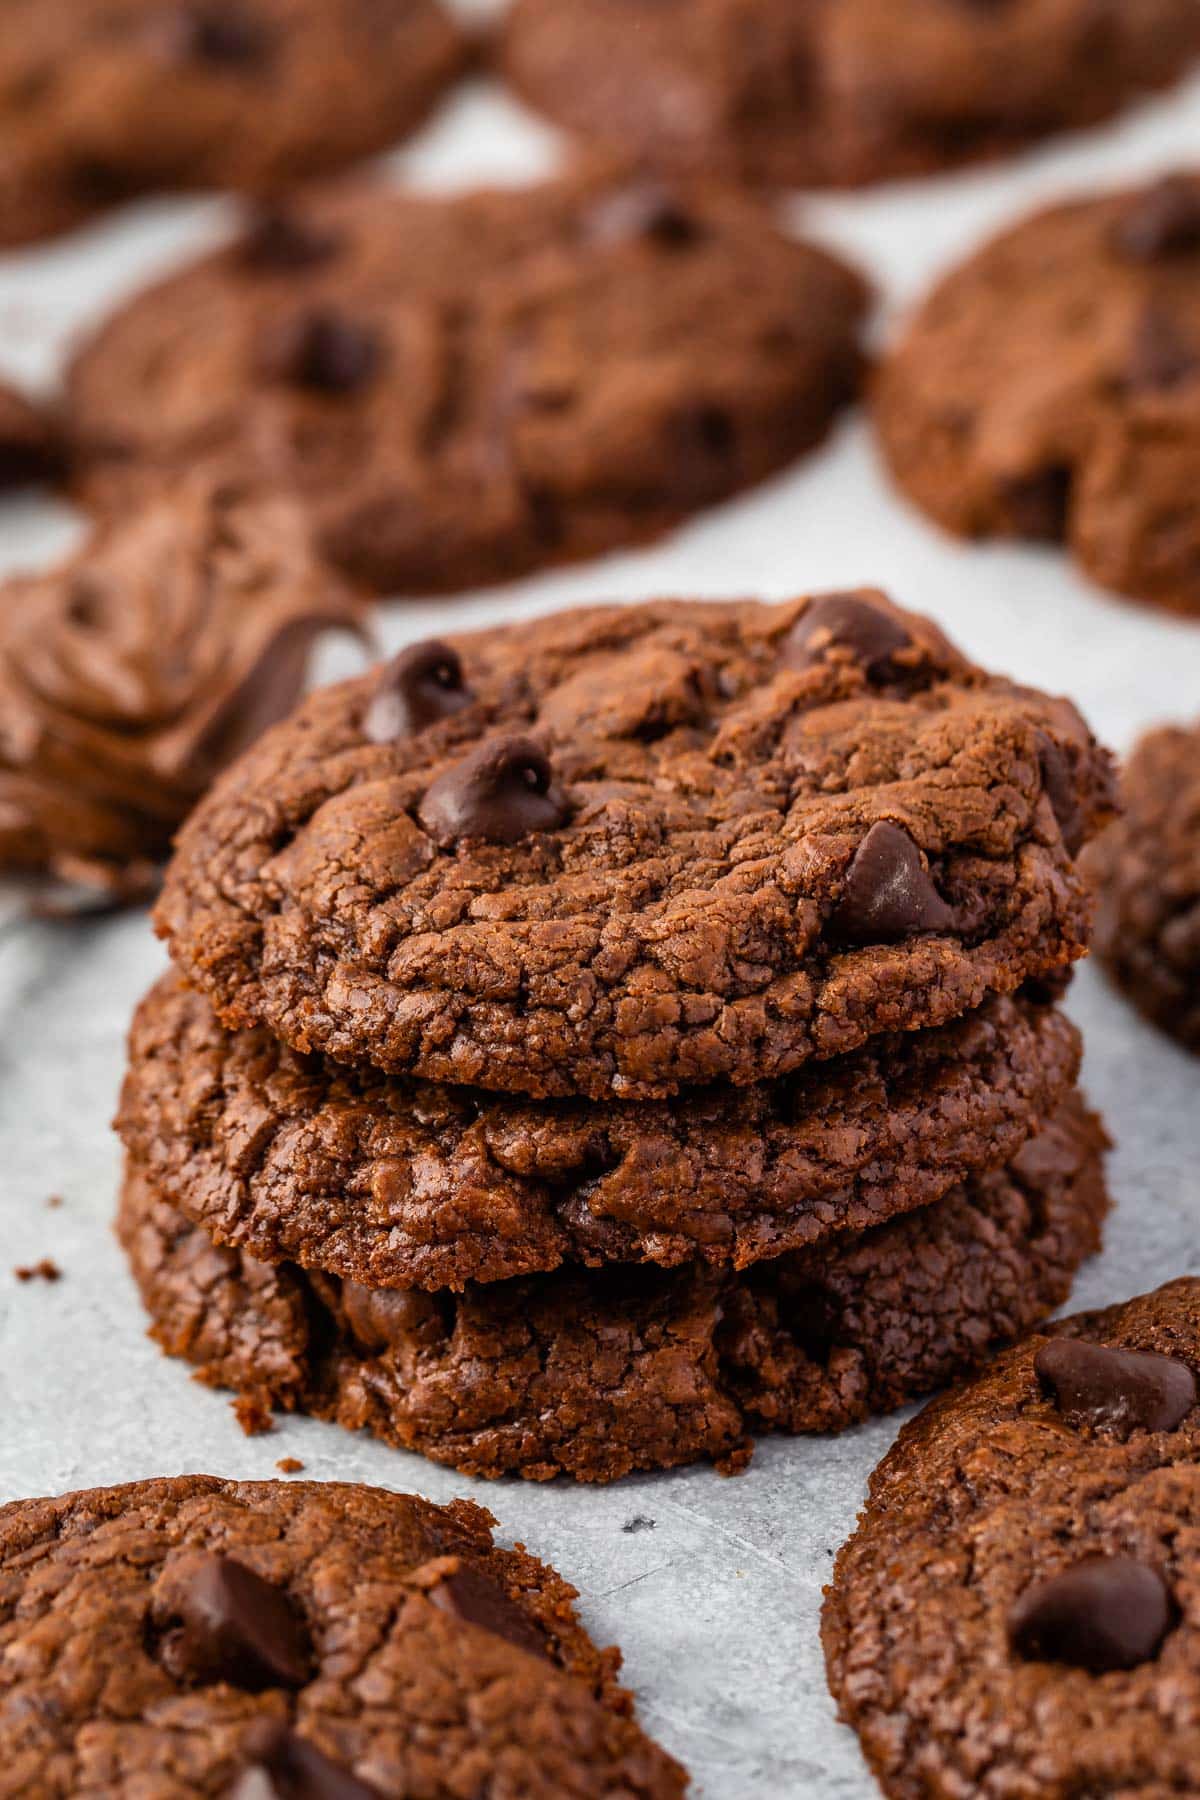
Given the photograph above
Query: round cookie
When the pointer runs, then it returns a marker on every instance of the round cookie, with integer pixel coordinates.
(29, 447)
(464, 389)
(850, 92)
(1048, 388)
(136, 669)
(624, 850)
(1018, 1611)
(1146, 868)
(288, 1641)
(104, 99)
(391, 1182)
(594, 1374)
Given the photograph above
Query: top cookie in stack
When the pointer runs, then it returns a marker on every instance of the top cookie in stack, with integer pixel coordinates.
(734, 928)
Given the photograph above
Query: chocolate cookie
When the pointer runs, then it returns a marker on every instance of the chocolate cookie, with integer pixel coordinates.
(29, 448)
(775, 91)
(628, 849)
(140, 666)
(397, 1183)
(1147, 870)
(264, 1640)
(464, 389)
(598, 1373)
(1018, 1610)
(104, 99)
(1050, 388)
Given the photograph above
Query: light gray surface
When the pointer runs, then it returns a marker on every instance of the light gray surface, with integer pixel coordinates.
(716, 1606)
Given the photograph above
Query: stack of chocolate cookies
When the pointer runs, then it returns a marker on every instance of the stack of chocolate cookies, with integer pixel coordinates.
(594, 1040)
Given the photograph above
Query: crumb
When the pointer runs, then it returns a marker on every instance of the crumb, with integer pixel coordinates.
(44, 1271)
(639, 1522)
(55, 1200)
(289, 1465)
(253, 1413)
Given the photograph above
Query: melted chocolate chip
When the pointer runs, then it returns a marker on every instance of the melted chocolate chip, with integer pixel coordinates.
(1160, 358)
(417, 688)
(647, 209)
(831, 622)
(501, 792)
(1058, 781)
(382, 1318)
(225, 1623)
(1037, 504)
(1163, 221)
(320, 350)
(888, 892)
(220, 32)
(1115, 1390)
(282, 1766)
(278, 242)
(477, 1600)
(1103, 1613)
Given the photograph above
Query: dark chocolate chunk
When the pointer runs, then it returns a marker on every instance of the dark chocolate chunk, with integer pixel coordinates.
(501, 792)
(283, 1766)
(1117, 1390)
(477, 1600)
(320, 349)
(645, 209)
(226, 1623)
(1102, 1613)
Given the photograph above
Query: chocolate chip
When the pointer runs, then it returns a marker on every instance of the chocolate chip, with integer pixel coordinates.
(475, 1599)
(870, 636)
(220, 32)
(1103, 1613)
(1115, 1390)
(319, 349)
(1058, 781)
(225, 1623)
(646, 209)
(1037, 504)
(1163, 221)
(501, 792)
(384, 1318)
(417, 688)
(888, 892)
(1160, 357)
(278, 242)
(283, 1766)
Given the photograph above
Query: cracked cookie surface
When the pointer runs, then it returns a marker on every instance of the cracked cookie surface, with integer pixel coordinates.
(136, 669)
(465, 389)
(799, 93)
(630, 849)
(197, 1637)
(395, 1183)
(101, 100)
(1146, 868)
(1048, 387)
(598, 1373)
(1018, 1610)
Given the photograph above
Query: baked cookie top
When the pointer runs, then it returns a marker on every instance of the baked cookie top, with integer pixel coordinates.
(1048, 388)
(594, 1373)
(393, 1182)
(793, 91)
(1146, 868)
(1018, 1611)
(199, 1637)
(104, 99)
(134, 670)
(625, 850)
(466, 388)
